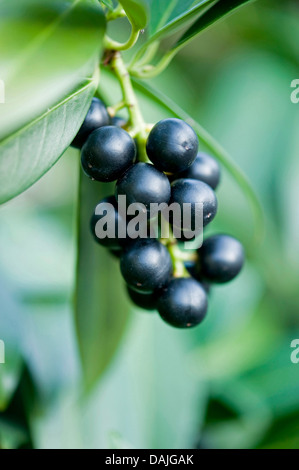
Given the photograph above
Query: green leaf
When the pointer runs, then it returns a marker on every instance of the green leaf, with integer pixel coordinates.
(11, 321)
(12, 435)
(215, 148)
(45, 65)
(170, 18)
(55, 45)
(137, 12)
(31, 151)
(217, 12)
(101, 304)
(182, 13)
(164, 12)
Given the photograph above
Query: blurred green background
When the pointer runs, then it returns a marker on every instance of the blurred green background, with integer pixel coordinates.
(229, 383)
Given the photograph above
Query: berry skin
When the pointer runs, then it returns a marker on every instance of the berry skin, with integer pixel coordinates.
(144, 301)
(221, 258)
(204, 168)
(142, 183)
(114, 218)
(172, 145)
(193, 191)
(146, 265)
(107, 153)
(96, 117)
(183, 303)
(192, 270)
(118, 121)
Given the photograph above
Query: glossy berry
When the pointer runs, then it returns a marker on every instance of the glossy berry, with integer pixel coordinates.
(192, 270)
(190, 191)
(146, 265)
(118, 121)
(144, 301)
(221, 258)
(107, 153)
(96, 117)
(110, 217)
(172, 145)
(143, 184)
(183, 303)
(204, 168)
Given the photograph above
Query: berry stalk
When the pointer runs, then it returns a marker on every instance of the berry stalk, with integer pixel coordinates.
(137, 123)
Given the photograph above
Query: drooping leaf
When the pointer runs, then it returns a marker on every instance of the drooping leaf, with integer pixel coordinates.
(45, 65)
(137, 12)
(101, 304)
(220, 10)
(31, 151)
(215, 148)
(55, 45)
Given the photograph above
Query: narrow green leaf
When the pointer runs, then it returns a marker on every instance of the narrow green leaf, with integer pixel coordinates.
(47, 49)
(221, 9)
(215, 148)
(101, 304)
(31, 151)
(165, 11)
(137, 12)
(180, 20)
(168, 26)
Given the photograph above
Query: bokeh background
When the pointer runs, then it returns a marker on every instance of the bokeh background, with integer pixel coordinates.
(229, 383)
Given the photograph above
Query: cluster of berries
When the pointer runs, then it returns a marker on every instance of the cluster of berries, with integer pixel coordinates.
(178, 173)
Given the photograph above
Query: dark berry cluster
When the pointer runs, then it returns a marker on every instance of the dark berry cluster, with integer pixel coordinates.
(178, 173)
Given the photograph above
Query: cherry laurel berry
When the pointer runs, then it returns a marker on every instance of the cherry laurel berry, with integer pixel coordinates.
(143, 184)
(144, 301)
(172, 145)
(146, 265)
(189, 191)
(96, 117)
(221, 258)
(183, 303)
(204, 168)
(107, 153)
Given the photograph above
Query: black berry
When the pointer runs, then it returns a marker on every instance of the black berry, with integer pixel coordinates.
(188, 191)
(221, 258)
(192, 270)
(146, 265)
(183, 303)
(110, 217)
(96, 117)
(118, 121)
(172, 145)
(145, 301)
(107, 153)
(204, 168)
(143, 184)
